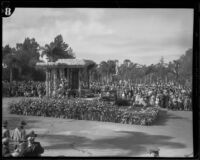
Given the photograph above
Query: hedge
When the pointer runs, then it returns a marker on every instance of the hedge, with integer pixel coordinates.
(82, 109)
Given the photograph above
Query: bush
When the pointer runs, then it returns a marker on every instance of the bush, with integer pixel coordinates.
(84, 110)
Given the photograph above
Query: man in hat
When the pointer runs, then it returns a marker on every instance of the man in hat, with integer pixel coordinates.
(19, 133)
(34, 149)
(5, 131)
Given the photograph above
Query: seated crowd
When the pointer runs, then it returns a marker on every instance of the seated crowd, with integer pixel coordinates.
(166, 95)
(23, 88)
(17, 143)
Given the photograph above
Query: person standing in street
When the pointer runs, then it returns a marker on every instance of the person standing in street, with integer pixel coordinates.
(19, 133)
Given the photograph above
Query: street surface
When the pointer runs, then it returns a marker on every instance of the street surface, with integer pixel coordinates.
(172, 134)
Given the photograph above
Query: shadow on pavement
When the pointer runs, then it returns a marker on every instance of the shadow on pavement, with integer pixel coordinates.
(164, 116)
(134, 143)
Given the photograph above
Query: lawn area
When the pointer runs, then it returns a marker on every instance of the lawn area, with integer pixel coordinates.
(172, 134)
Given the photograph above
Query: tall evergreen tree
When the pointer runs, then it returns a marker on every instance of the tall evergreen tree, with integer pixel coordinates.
(57, 49)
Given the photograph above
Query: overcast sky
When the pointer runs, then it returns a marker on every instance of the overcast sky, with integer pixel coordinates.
(141, 35)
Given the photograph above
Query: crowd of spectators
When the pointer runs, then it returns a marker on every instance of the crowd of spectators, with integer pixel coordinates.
(166, 95)
(23, 89)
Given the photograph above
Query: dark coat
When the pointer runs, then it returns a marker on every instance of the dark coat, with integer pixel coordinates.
(34, 151)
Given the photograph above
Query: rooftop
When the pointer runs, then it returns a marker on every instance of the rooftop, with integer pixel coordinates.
(71, 63)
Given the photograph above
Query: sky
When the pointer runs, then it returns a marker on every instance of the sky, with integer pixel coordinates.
(141, 35)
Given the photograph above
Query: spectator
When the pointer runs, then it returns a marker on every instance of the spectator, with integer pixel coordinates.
(34, 149)
(19, 133)
(5, 148)
(5, 131)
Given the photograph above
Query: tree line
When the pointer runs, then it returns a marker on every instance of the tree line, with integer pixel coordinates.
(178, 71)
(19, 64)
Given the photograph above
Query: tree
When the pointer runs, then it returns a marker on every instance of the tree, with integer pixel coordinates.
(6, 50)
(107, 69)
(91, 65)
(111, 68)
(181, 68)
(150, 72)
(127, 62)
(176, 69)
(185, 68)
(22, 60)
(116, 67)
(10, 60)
(28, 53)
(161, 68)
(96, 75)
(103, 67)
(126, 69)
(57, 49)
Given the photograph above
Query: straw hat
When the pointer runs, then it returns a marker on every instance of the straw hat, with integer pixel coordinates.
(31, 135)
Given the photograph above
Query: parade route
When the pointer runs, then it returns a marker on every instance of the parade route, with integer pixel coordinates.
(172, 134)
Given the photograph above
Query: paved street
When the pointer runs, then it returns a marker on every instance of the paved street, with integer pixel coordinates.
(172, 134)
